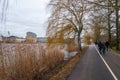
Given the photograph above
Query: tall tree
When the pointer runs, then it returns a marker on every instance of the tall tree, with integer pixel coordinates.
(66, 12)
(4, 8)
(110, 6)
(117, 26)
(109, 25)
(98, 26)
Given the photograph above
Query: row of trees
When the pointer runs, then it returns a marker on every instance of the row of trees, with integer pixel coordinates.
(101, 16)
(107, 21)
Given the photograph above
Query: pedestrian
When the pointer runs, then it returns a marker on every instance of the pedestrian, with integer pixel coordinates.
(100, 46)
(107, 45)
(103, 47)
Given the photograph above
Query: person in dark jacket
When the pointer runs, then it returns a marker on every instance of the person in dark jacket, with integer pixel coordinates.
(107, 45)
(100, 46)
(103, 47)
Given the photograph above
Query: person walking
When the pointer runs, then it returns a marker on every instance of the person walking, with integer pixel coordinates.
(99, 46)
(103, 47)
(107, 45)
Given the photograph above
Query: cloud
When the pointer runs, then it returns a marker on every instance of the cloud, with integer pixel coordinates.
(27, 15)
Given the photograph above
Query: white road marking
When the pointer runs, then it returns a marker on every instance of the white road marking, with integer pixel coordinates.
(106, 65)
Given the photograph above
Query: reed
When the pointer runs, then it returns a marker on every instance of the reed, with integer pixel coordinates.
(28, 63)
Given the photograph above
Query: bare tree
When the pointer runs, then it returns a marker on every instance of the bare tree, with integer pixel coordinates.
(112, 7)
(117, 7)
(66, 12)
(3, 13)
(98, 25)
(4, 9)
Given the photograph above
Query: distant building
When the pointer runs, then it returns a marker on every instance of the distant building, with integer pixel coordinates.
(31, 37)
(12, 39)
(42, 39)
(20, 40)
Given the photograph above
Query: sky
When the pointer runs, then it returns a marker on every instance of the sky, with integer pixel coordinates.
(26, 16)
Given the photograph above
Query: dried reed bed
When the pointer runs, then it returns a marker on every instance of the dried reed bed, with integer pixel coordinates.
(72, 47)
(27, 61)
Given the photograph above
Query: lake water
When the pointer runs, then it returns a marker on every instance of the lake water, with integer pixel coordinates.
(11, 49)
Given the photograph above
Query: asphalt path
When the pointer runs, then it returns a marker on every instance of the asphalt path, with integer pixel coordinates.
(94, 66)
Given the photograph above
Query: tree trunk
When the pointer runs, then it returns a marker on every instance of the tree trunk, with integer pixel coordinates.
(80, 26)
(109, 27)
(117, 26)
(79, 42)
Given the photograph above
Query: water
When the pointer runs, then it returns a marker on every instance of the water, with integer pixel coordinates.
(12, 49)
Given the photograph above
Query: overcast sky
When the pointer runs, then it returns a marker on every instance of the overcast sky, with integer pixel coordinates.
(26, 15)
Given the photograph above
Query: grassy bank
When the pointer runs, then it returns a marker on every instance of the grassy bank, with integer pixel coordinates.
(66, 69)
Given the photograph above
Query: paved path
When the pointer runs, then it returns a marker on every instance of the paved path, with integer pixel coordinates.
(92, 67)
